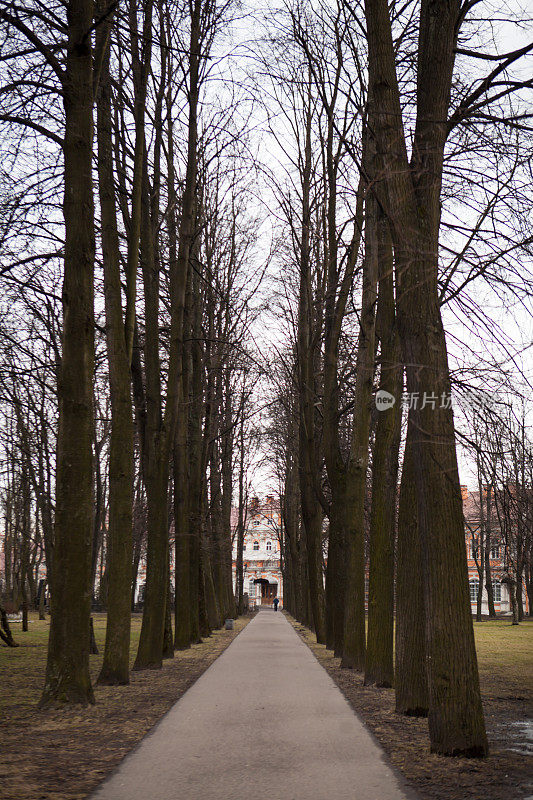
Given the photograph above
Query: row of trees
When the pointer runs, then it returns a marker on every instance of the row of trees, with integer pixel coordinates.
(144, 364)
(131, 181)
(376, 254)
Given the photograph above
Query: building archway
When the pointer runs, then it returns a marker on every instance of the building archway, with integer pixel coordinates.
(269, 590)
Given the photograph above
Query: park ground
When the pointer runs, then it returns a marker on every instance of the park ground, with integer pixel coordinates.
(63, 755)
(505, 659)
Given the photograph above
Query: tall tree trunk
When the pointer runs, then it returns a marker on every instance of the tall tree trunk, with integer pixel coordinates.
(40, 600)
(195, 454)
(227, 492)
(511, 584)
(239, 566)
(150, 652)
(479, 598)
(455, 716)
(216, 532)
(481, 552)
(291, 525)
(182, 611)
(8, 543)
(308, 455)
(379, 664)
(67, 669)
(353, 655)
(141, 63)
(25, 544)
(335, 307)
(203, 616)
(98, 513)
(182, 623)
(115, 667)
(138, 529)
(156, 458)
(335, 584)
(411, 679)
(488, 547)
(519, 584)
(168, 638)
(213, 610)
(529, 589)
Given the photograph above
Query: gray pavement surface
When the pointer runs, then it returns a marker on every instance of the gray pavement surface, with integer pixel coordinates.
(264, 721)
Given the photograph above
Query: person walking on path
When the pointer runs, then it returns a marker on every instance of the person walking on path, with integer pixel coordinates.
(276, 603)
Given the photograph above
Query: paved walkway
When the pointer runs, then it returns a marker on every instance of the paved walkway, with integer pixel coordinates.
(264, 721)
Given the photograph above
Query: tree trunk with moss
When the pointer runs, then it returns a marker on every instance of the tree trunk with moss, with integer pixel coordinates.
(411, 677)
(354, 645)
(182, 611)
(168, 638)
(67, 669)
(196, 401)
(115, 667)
(409, 192)
(155, 457)
(379, 662)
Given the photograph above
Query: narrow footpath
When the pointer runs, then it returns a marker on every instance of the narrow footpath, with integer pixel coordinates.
(265, 720)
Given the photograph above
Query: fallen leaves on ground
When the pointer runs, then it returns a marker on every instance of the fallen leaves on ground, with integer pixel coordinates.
(507, 700)
(64, 754)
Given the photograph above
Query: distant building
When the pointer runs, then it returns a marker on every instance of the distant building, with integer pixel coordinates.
(472, 516)
(263, 580)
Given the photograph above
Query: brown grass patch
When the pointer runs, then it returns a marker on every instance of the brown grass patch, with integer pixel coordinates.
(505, 657)
(64, 754)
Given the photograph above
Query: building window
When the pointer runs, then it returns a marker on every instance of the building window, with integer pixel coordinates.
(495, 553)
(269, 545)
(251, 591)
(474, 588)
(497, 591)
(256, 545)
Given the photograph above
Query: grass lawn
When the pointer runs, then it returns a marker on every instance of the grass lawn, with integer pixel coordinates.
(64, 754)
(22, 668)
(505, 658)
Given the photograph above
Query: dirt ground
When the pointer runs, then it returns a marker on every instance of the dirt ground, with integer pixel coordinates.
(505, 665)
(63, 755)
